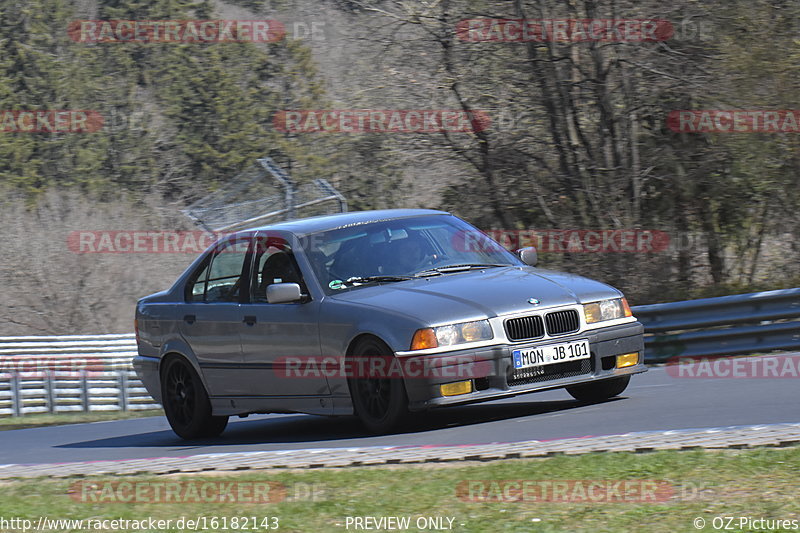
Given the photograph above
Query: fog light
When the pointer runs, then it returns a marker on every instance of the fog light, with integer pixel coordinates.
(454, 389)
(628, 359)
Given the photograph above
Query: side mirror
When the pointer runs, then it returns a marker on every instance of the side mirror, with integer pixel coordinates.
(528, 255)
(283, 293)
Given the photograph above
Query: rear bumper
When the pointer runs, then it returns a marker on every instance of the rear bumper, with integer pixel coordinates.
(147, 370)
(491, 369)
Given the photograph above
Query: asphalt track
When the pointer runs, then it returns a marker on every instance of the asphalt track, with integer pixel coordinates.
(654, 401)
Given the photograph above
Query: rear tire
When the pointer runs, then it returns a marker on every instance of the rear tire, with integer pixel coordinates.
(186, 402)
(599, 391)
(380, 402)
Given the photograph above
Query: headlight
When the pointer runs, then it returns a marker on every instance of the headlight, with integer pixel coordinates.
(606, 310)
(449, 335)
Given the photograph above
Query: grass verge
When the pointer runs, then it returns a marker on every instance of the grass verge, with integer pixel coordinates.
(757, 483)
(61, 419)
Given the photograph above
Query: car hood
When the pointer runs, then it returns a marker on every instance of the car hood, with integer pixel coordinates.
(479, 293)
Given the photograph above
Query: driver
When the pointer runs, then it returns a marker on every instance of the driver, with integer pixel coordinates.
(408, 256)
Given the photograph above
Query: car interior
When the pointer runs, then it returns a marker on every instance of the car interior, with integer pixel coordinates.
(279, 266)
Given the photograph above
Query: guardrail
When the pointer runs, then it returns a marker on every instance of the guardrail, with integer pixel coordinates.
(93, 373)
(69, 373)
(23, 393)
(728, 325)
(111, 352)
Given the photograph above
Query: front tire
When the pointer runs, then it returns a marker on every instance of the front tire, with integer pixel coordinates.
(599, 391)
(380, 402)
(186, 402)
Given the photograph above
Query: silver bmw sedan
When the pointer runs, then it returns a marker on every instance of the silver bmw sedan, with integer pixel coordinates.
(381, 314)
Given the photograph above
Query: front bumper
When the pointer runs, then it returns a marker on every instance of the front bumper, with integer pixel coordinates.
(491, 368)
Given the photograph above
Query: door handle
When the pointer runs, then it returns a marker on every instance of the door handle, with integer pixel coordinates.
(189, 319)
(249, 320)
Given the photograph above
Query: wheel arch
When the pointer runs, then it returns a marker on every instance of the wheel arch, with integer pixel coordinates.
(191, 361)
(174, 350)
(167, 357)
(188, 407)
(355, 341)
(366, 336)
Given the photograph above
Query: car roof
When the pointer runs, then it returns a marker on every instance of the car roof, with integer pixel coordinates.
(304, 226)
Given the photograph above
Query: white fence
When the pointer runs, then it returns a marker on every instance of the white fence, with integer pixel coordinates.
(75, 373)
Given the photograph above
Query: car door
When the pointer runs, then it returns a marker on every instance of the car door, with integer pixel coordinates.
(280, 338)
(210, 319)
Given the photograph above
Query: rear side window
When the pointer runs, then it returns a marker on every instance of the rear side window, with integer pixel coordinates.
(220, 279)
(196, 289)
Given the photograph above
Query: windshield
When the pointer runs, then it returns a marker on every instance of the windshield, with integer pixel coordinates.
(392, 250)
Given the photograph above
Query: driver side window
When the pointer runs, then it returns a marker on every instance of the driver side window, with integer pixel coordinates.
(273, 263)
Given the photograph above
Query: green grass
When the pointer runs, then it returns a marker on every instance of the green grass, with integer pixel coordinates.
(759, 483)
(61, 419)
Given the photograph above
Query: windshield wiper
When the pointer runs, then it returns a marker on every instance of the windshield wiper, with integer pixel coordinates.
(456, 268)
(375, 279)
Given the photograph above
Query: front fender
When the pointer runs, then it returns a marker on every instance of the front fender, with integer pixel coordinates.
(341, 323)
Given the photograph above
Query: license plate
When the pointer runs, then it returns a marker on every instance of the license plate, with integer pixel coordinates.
(551, 354)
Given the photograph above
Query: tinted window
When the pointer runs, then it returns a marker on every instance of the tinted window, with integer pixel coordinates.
(221, 280)
(273, 262)
(197, 285)
(401, 247)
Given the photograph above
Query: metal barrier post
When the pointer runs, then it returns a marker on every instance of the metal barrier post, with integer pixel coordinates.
(16, 402)
(123, 390)
(84, 391)
(49, 389)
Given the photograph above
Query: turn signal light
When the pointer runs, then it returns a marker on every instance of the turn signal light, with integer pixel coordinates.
(454, 389)
(628, 359)
(626, 308)
(424, 339)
